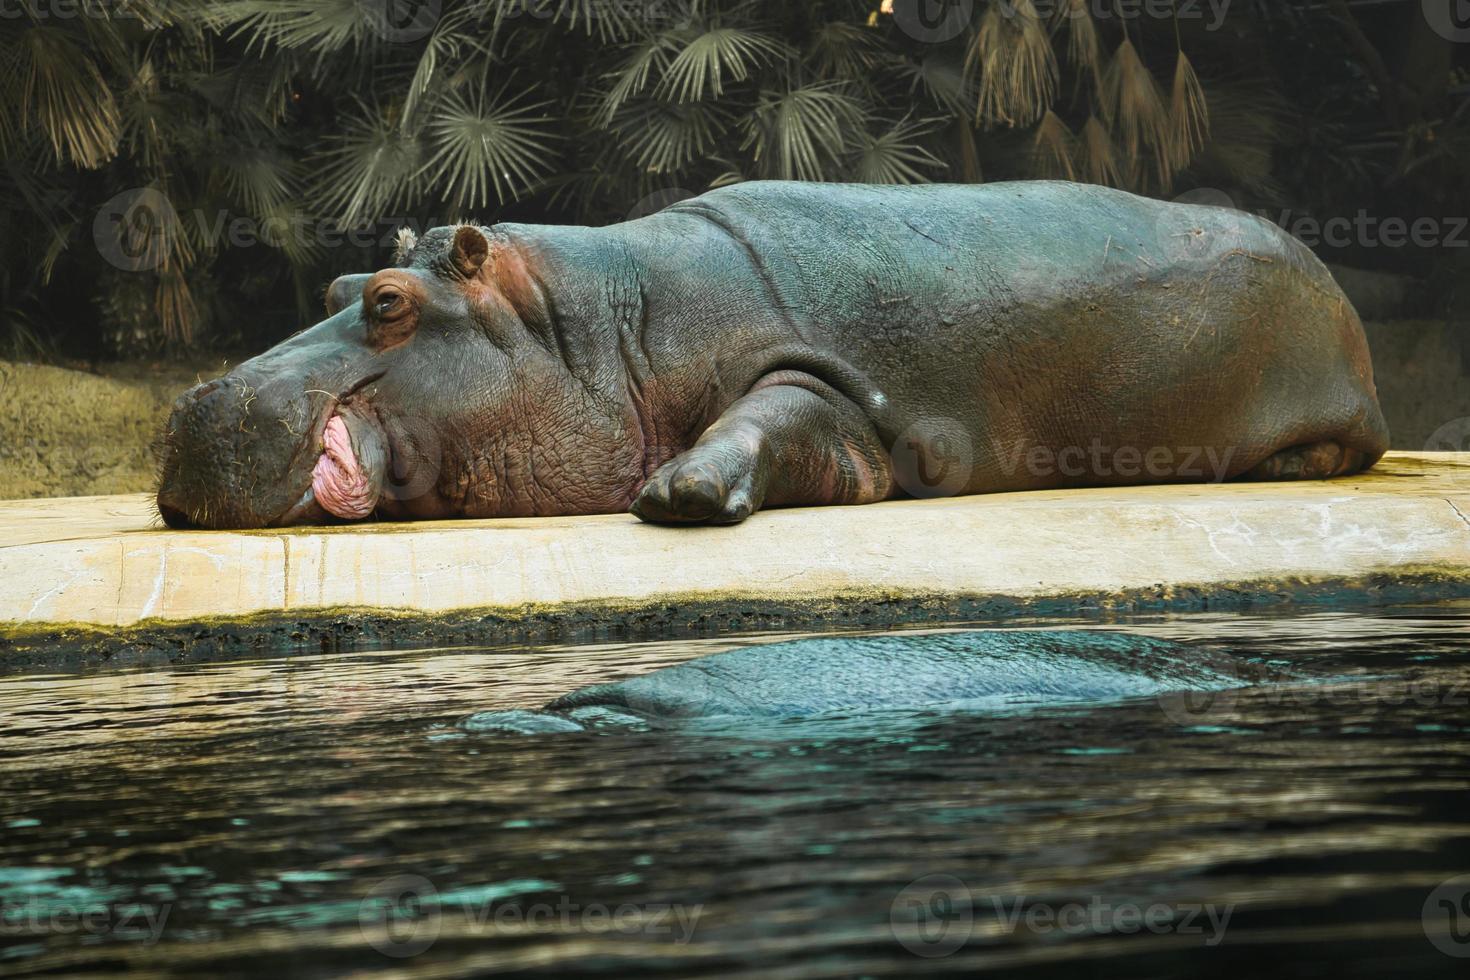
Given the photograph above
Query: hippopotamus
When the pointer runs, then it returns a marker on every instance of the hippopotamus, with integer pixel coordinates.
(973, 671)
(772, 344)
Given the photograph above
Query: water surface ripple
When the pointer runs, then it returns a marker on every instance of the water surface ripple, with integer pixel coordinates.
(323, 816)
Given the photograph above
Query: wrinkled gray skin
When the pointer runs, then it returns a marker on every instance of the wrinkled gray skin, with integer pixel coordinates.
(984, 670)
(775, 344)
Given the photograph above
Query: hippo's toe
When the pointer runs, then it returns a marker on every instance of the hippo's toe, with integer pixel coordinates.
(689, 490)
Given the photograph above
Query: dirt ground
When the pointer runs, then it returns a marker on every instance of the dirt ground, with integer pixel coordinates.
(67, 433)
(76, 432)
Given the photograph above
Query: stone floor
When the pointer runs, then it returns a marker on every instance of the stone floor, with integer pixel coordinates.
(106, 562)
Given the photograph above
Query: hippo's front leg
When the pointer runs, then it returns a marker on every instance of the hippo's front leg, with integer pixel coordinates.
(784, 444)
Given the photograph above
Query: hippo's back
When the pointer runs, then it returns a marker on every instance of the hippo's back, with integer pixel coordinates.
(1054, 314)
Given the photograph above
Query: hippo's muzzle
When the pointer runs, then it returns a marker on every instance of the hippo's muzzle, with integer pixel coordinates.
(236, 454)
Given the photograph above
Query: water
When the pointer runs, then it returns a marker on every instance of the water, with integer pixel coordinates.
(323, 816)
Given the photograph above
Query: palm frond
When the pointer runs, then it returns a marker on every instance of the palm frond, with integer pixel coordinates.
(663, 137)
(64, 94)
(798, 134)
(319, 26)
(703, 62)
(1133, 104)
(488, 144)
(944, 78)
(632, 77)
(368, 166)
(1017, 67)
(1189, 114)
(1054, 148)
(841, 49)
(261, 180)
(451, 42)
(1099, 157)
(897, 155)
(611, 22)
(1084, 49)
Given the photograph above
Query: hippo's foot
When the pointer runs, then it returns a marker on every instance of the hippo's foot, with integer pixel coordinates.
(1317, 461)
(790, 443)
(707, 485)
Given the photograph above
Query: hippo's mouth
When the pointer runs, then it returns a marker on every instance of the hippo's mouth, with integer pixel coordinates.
(348, 477)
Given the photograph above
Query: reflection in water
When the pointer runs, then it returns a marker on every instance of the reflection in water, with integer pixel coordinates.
(321, 815)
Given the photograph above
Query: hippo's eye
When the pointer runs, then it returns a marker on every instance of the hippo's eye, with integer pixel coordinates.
(388, 303)
(390, 313)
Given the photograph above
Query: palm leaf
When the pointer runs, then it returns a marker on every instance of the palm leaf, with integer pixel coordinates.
(703, 62)
(798, 134)
(65, 95)
(1016, 64)
(841, 49)
(1189, 114)
(1134, 106)
(897, 155)
(488, 144)
(450, 43)
(319, 26)
(1053, 148)
(664, 137)
(632, 77)
(367, 167)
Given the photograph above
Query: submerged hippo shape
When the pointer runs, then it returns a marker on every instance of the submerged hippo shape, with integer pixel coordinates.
(983, 670)
(774, 344)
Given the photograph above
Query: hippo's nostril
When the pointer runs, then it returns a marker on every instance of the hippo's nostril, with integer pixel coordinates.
(204, 390)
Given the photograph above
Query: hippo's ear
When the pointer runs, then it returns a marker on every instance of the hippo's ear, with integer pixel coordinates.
(344, 292)
(470, 250)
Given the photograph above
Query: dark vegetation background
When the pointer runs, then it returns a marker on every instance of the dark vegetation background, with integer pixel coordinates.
(183, 179)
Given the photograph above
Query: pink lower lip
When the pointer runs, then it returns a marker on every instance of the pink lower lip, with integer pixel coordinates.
(338, 481)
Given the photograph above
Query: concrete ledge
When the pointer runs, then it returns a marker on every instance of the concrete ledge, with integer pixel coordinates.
(103, 562)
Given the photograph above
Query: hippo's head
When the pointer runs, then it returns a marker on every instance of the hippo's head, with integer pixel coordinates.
(411, 399)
